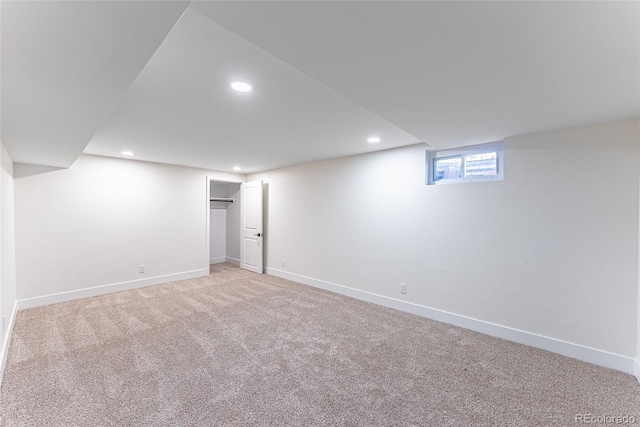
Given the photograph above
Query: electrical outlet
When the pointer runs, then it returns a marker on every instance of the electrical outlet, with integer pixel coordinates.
(403, 288)
(141, 269)
(282, 262)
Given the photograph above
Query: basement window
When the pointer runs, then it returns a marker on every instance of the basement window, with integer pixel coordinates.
(483, 162)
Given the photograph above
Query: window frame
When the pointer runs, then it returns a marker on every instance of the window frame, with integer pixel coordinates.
(433, 155)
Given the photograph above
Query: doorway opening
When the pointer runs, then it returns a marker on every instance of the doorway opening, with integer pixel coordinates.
(224, 224)
(235, 233)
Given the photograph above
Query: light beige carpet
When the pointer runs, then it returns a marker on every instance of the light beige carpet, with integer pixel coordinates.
(219, 268)
(236, 348)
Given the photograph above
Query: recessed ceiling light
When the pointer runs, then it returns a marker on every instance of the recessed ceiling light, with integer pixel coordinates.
(373, 140)
(241, 86)
(236, 168)
(127, 153)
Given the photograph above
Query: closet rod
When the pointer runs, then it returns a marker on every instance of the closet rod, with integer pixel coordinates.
(220, 199)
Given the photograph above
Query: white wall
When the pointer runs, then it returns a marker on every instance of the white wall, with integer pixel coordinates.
(233, 225)
(94, 224)
(218, 225)
(218, 236)
(7, 251)
(551, 250)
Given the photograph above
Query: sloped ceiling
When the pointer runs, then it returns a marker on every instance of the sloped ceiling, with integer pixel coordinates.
(65, 66)
(104, 77)
(458, 73)
(181, 109)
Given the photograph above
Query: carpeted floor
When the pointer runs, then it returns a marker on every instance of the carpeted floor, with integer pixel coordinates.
(219, 268)
(237, 348)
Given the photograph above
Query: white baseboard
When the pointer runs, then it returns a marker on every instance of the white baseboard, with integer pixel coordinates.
(6, 340)
(107, 289)
(233, 261)
(586, 354)
(637, 369)
(218, 260)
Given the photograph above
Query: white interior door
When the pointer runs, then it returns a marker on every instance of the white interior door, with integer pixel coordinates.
(251, 239)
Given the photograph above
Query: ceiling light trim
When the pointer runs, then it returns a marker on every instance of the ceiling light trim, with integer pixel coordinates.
(240, 86)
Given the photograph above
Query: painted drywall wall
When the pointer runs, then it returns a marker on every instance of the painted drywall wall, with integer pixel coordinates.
(233, 225)
(218, 237)
(218, 227)
(551, 250)
(7, 249)
(95, 223)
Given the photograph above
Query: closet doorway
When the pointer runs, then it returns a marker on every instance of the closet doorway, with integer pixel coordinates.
(223, 226)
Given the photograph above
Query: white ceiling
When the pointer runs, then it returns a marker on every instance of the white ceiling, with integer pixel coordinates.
(327, 75)
(181, 109)
(65, 66)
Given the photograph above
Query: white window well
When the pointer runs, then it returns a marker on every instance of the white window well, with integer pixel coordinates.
(483, 162)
